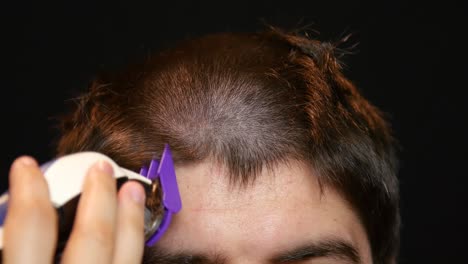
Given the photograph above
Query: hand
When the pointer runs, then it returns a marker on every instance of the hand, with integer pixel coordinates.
(108, 228)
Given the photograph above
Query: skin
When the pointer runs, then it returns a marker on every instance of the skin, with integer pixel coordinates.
(283, 210)
(30, 231)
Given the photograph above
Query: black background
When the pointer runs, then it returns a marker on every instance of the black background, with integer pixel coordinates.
(410, 62)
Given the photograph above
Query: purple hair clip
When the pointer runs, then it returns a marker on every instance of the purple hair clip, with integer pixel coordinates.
(165, 197)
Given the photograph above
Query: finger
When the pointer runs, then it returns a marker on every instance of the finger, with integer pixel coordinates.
(30, 231)
(130, 238)
(93, 234)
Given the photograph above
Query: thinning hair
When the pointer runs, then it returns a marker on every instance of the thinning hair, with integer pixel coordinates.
(248, 101)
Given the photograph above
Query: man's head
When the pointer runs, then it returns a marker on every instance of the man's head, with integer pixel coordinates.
(274, 148)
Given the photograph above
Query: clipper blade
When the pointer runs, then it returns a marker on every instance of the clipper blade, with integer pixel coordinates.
(154, 209)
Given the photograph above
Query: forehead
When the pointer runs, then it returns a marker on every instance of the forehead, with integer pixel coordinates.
(283, 207)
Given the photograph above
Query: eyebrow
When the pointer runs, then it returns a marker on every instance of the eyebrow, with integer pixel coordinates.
(157, 255)
(330, 248)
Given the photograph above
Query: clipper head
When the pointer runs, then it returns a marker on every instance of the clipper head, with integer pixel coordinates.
(163, 197)
(154, 209)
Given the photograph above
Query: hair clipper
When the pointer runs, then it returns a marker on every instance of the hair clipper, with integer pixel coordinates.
(65, 176)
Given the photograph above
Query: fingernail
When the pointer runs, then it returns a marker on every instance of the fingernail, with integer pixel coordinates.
(105, 167)
(27, 161)
(137, 193)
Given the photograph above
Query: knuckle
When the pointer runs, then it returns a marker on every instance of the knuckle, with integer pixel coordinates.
(36, 212)
(104, 183)
(134, 220)
(98, 232)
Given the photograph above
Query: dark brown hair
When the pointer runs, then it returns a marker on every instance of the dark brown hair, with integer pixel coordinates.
(248, 101)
